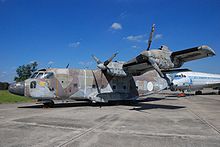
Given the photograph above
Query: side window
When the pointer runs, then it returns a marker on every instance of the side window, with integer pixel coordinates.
(75, 85)
(33, 84)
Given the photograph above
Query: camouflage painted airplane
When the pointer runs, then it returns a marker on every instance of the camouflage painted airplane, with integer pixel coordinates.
(112, 80)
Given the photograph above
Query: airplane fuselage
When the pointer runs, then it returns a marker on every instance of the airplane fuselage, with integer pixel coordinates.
(93, 85)
(194, 81)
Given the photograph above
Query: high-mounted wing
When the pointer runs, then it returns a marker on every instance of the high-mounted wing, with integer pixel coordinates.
(179, 57)
(137, 66)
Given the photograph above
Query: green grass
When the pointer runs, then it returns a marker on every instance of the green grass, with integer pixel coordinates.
(6, 97)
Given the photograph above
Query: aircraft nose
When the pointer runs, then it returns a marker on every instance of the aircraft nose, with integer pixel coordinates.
(173, 86)
(17, 88)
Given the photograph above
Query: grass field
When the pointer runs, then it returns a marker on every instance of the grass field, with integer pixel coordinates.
(6, 97)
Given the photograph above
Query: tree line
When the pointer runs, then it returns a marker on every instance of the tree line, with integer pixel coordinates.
(23, 73)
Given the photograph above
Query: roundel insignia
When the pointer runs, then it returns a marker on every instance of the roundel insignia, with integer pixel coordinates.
(150, 86)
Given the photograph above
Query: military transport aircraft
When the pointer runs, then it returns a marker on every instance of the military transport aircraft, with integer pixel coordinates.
(112, 80)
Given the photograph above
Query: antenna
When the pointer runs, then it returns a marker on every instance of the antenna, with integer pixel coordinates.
(150, 37)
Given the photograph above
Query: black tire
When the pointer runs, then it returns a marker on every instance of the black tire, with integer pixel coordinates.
(198, 92)
(49, 104)
(219, 92)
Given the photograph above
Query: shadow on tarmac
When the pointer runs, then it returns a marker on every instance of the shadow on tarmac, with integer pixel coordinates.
(139, 104)
(156, 106)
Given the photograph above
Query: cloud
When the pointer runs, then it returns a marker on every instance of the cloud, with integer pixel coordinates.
(133, 38)
(123, 15)
(116, 26)
(31, 62)
(134, 46)
(158, 36)
(85, 64)
(50, 62)
(3, 74)
(74, 44)
(142, 38)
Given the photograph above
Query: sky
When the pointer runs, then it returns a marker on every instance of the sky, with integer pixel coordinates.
(56, 33)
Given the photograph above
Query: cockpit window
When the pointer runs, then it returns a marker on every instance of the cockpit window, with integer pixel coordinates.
(39, 75)
(180, 76)
(33, 75)
(47, 75)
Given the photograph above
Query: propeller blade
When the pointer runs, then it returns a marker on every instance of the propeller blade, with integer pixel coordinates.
(156, 67)
(150, 38)
(96, 59)
(110, 59)
(96, 83)
(68, 65)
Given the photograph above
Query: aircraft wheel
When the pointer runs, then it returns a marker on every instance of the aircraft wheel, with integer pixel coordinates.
(49, 104)
(198, 92)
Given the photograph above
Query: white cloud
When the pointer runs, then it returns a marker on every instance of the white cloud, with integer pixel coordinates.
(3, 74)
(142, 38)
(134, 46)
(158, 36)
(137, 38)
(31, 62)
(116, 26)
(123, 15)
(50, 62)
(86, 64)
(74, 44)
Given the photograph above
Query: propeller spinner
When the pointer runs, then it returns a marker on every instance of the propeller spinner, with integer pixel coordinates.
(103, 65)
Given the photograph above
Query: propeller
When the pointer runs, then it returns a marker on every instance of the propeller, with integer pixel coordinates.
(96, 83)
(156, 67)
(150, 37)
(67, 66)
(103, 65)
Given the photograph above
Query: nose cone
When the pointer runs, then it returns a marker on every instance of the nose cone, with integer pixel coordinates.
(173, 85)
(17, 88)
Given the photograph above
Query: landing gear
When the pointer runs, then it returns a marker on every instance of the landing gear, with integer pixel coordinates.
(198, 92)
(48, 104)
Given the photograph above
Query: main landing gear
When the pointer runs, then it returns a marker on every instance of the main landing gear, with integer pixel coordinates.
(48, 104)
(198, 92)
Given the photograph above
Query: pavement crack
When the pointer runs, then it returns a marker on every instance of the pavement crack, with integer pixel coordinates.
(104, 122)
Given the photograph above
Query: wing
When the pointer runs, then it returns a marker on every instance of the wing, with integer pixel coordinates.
(137, 66)
(179, 57)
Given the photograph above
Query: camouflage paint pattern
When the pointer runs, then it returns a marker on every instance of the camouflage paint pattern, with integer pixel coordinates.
(93, 85)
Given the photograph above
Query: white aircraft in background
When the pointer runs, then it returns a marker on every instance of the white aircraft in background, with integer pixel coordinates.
(187, 80)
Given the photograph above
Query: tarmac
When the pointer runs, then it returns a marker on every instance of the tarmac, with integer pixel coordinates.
(160, 120)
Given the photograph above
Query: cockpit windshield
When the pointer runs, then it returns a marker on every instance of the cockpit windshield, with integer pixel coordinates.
(181, 75)
(47, 75)
(33, 75)
(41, 75)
